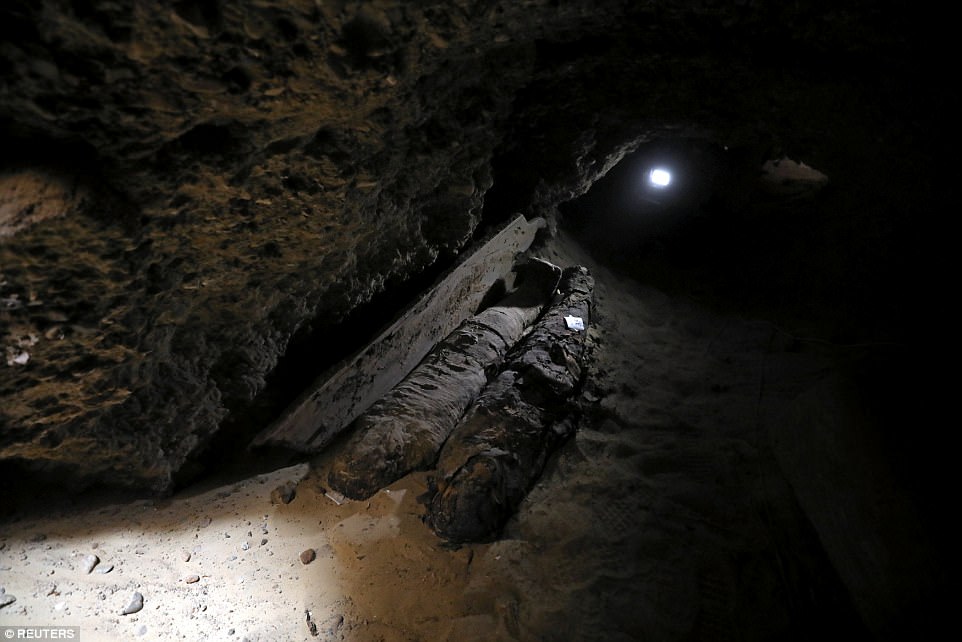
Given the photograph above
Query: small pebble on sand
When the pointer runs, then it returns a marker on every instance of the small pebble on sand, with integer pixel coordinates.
(308, 556)
(89, 562)
(191, 579)
(135, 604)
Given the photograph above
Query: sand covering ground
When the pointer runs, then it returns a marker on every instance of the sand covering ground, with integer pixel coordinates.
(664, 518)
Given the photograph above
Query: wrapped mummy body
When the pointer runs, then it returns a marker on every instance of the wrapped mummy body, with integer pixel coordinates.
(500, 447)
(404, 430)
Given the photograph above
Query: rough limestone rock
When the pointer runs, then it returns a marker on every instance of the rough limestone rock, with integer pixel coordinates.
(500, 447)
(237, 177)
(405, 429)
(261, 168)
(194, 192)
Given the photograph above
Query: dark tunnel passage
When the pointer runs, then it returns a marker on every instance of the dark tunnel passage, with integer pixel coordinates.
(242, 197)
(725, 232)
(724, 236)
(625, 215)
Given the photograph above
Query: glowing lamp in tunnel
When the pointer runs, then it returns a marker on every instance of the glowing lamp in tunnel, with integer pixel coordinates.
(659, 177)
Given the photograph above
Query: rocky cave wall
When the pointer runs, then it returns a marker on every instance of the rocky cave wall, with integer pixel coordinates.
(187, 187)
(256, 166)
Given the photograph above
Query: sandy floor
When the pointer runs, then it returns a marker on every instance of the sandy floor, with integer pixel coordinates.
(374, 563)
(664, 518)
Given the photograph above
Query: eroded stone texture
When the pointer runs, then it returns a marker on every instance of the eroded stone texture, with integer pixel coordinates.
(278, 161)
(264, 167)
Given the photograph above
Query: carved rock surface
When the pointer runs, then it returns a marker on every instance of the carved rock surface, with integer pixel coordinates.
(256, 170)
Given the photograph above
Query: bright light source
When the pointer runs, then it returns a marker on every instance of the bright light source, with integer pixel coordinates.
(659, 177)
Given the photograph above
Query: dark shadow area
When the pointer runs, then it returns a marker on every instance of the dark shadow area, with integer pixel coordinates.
(824, 269)
(42, 491)
(627, 213)
(720, 235)
(72, 157)
(25, 146)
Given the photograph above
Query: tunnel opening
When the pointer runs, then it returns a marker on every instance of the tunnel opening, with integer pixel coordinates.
(793, 254)
(659, 192)
(714, 233)
(690, 218)
(674, 235)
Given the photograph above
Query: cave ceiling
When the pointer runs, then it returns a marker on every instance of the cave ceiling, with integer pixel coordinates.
(187, 187)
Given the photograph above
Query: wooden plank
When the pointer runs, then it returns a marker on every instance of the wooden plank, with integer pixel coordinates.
(341, 395)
